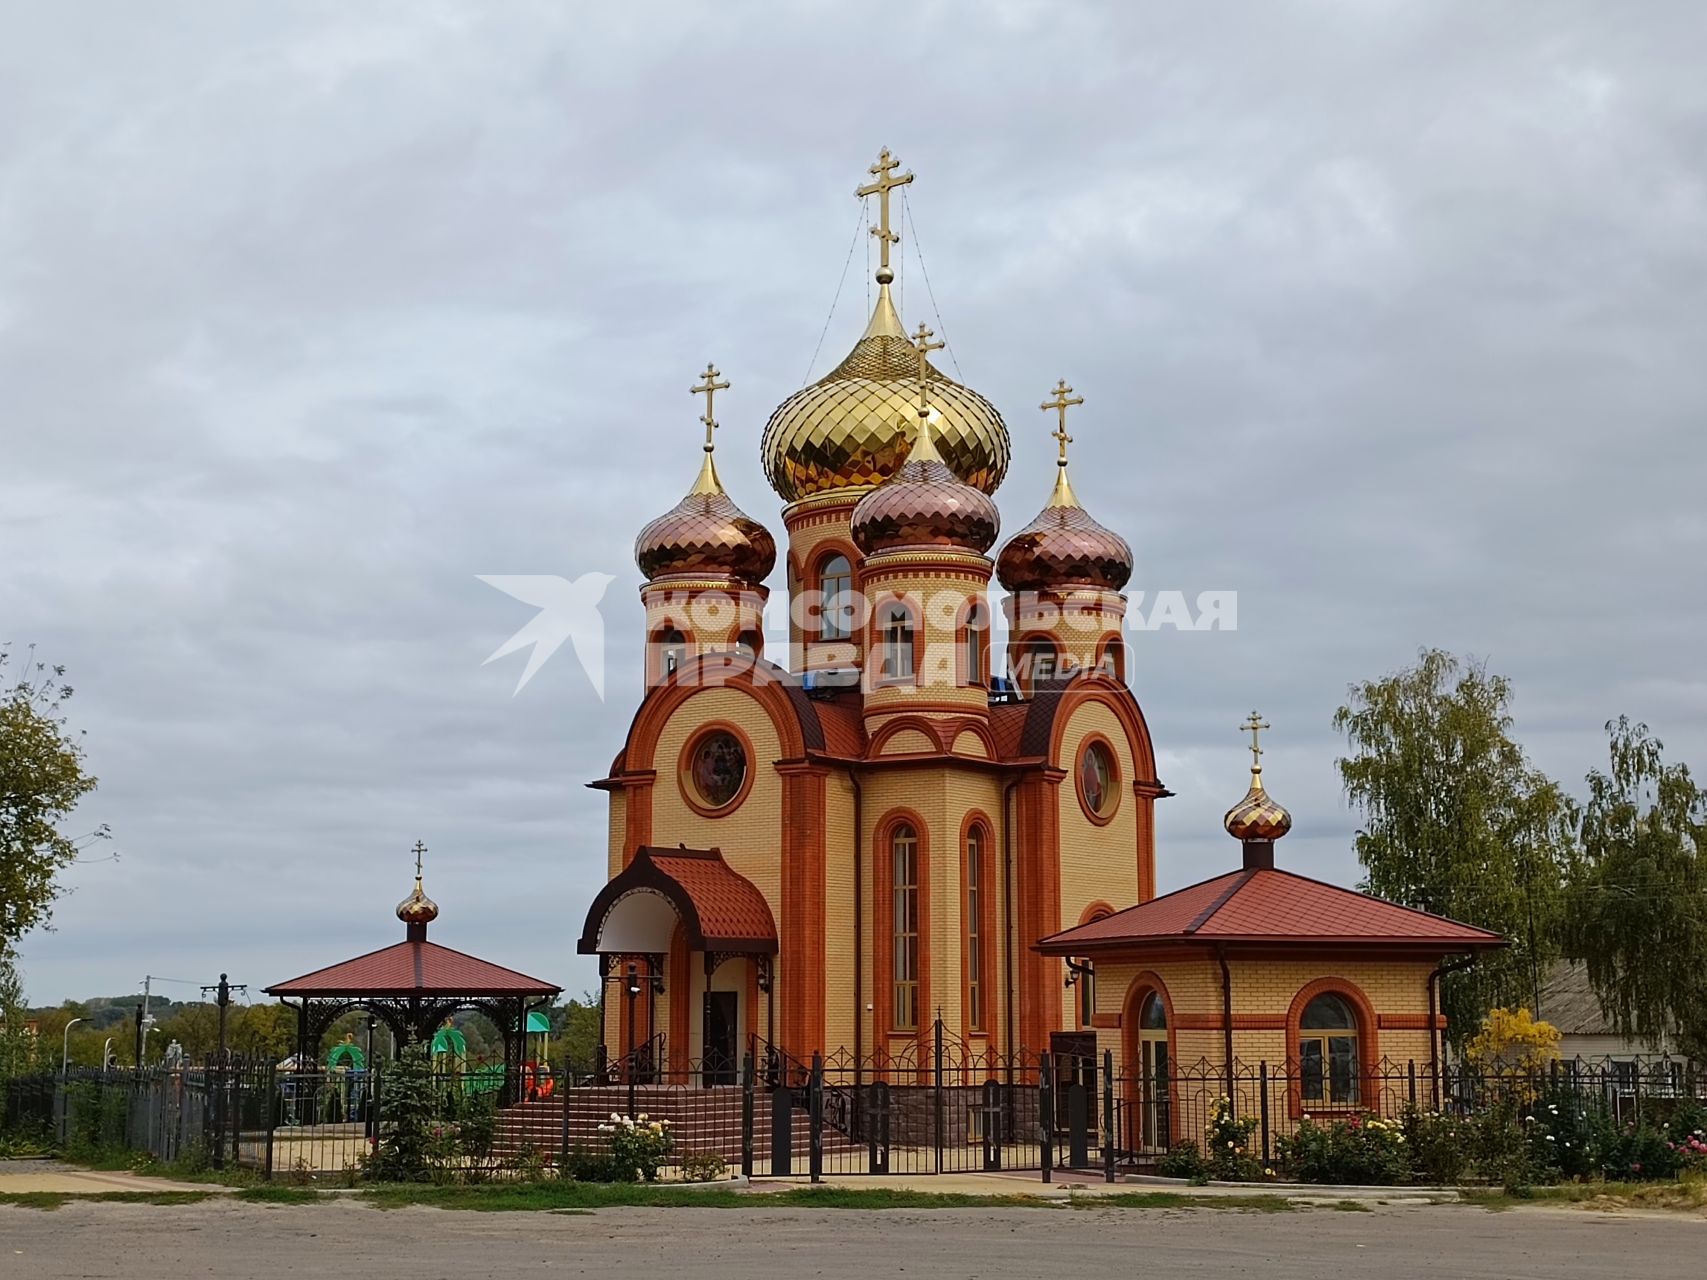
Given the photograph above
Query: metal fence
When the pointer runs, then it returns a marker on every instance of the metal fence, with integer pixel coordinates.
(939, 1107)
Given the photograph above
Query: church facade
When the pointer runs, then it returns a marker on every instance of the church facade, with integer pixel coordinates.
(833, 847)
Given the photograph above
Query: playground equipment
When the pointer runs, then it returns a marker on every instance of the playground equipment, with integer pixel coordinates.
(537, 1081)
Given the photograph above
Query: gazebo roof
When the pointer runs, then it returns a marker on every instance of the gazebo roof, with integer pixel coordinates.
(414, 968)
(1267, 906)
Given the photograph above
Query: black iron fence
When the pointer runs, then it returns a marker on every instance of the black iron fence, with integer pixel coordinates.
(939, 1107)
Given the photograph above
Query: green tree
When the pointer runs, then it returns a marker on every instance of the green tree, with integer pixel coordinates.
(581, 1032)
(18, 1043)
(42, 777)
(1637, 896)
(1456, 821)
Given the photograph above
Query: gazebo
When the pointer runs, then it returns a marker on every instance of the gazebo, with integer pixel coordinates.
(413, 986)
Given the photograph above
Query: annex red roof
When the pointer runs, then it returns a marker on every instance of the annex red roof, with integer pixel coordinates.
(414, 968)
(1267, 905)
(720, 909)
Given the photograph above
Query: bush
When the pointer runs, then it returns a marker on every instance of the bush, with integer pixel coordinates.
(1438, 1146)
(586, 1165)
(1353, 1151)
(1228, 1140)
(1184, 1160)
(638, 1146)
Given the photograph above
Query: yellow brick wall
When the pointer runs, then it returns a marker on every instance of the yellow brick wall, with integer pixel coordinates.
(750, 836)
(1098, 863)
(839, 946)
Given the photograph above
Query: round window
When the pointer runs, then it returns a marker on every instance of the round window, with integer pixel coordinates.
(719, 767)
(1096, 779)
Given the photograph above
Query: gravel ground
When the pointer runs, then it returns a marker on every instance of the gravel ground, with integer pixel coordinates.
(235, 1241)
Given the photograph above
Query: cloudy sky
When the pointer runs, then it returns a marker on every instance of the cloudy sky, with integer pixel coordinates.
(1388, 316)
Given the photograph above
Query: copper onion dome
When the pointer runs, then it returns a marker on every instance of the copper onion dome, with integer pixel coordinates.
(1256, 817)
(924, 504)
(1064, 546)
(418, 908)
(706, 533)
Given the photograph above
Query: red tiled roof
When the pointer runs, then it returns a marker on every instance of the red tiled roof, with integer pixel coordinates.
(844, 728)
(1267, 905)
(405, 968)
(720, 909)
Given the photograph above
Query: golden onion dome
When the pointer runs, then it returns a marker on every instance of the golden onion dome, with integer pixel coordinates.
(706, 533)
(851, 429)
(1064, 547)
(418, 908)
(1257, 817)
(924, 504)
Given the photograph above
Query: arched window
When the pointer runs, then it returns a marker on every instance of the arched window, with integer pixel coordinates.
(1327, 1051)
(750, 643)
(835, 589)
(975, 891)
(672, 652)
(1113, 658)
(904, 926)
(977, 625)
(895, 642)
(1035, 661)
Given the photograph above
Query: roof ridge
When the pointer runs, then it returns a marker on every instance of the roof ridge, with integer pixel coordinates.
(1245, 876)
(1149, 902)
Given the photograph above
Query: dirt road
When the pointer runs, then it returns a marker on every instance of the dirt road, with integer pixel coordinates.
(236, 1241)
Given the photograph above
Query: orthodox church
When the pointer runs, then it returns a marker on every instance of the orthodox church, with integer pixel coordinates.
(832, 848)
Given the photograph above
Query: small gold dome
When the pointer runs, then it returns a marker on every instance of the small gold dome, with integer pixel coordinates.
(852, 428)
(706, 533)
(1064, 547)
(1257, 817)
(418, 908)
(924, 504)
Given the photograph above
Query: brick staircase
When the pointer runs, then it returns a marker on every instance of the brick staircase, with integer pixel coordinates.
(701, 1120)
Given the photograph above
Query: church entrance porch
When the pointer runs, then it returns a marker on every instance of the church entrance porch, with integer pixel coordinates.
(685, 945)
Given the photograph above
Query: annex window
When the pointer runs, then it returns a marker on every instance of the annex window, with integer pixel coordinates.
(904, 925)
(1327, 1052)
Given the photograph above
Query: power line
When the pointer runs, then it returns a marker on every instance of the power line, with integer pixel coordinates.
(859, 225)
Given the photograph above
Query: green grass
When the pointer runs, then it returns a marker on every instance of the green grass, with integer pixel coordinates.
(1688, 1194)
(584, 1196)
(277, 1193)
(1182, 1200)
(49, 1200)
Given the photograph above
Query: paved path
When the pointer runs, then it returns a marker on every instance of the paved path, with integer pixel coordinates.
(51, 1175)
(236, 1241)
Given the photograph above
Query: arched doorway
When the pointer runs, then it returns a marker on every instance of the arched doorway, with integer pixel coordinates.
(1155, 1073)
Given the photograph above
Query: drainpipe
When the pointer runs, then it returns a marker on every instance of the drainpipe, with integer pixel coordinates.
(1226, 1016)
(858, 920)
(1434, 1045)
(1008, 912)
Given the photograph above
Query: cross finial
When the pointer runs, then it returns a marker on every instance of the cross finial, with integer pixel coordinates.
(708, 388)
(1064, 400)
(887, 181)
(418, 850)
(924, 346)
(1254, 726)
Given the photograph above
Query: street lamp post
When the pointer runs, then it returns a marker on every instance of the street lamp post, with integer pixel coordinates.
(65, 1077)
(65, 1048)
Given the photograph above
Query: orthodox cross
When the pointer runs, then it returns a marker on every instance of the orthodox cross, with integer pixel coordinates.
(886, 182)
(924, 346)
(418, 850)
(1064, 400)
(709, 388)
(1254, 726)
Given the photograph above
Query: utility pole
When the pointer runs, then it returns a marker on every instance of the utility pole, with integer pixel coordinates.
(222, 997)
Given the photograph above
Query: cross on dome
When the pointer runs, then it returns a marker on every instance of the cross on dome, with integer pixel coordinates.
(1254, 725)
(884, 170)
(708, 388)
(1064, 400)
